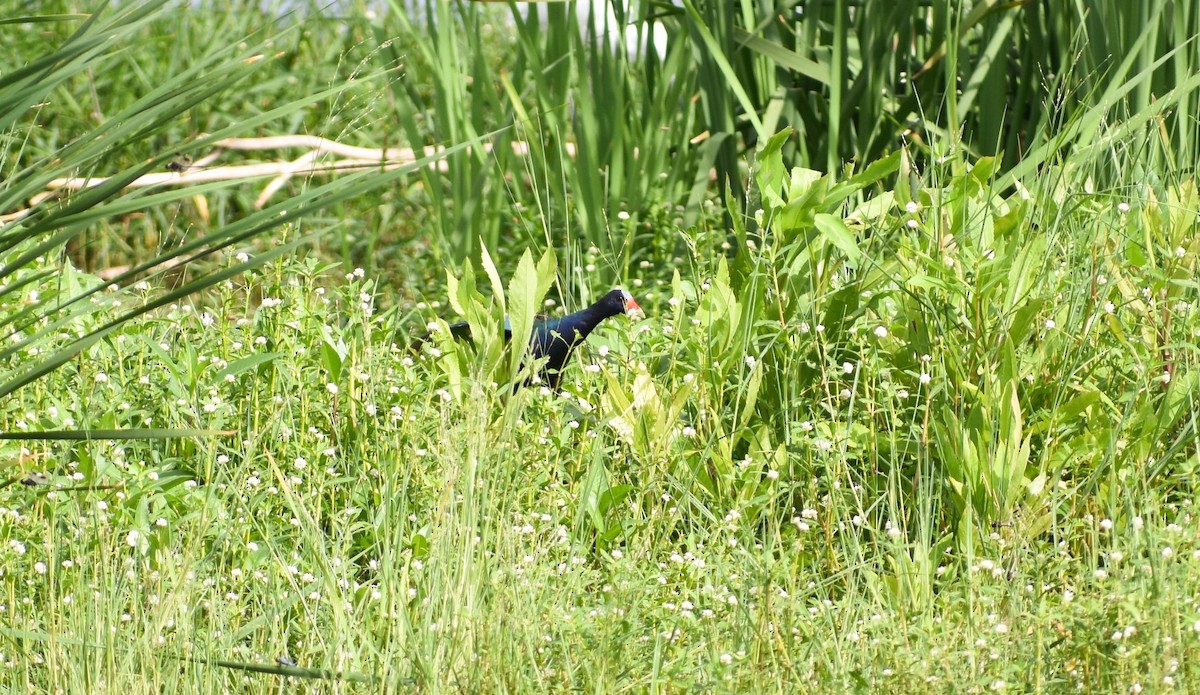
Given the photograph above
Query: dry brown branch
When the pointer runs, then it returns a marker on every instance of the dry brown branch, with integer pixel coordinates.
(323, 157)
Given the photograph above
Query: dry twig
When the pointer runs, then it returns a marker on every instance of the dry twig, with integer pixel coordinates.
(323, 157)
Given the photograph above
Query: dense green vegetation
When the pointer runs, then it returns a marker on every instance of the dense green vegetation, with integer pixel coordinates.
(914, 405)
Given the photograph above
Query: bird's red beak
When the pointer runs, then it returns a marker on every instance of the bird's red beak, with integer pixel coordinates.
(633, 311)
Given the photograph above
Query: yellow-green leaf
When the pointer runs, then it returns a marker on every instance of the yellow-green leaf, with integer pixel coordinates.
(836, 231)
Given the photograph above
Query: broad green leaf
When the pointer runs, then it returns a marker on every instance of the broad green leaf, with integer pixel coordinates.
(836, 231)
(614, 496)
(872, 174)
(333, 357)
(591, 490)
(485, 259)
(547, 271)
(770, 171)
(452, 293)
(751, 394)
(523, 300)
(245, 364)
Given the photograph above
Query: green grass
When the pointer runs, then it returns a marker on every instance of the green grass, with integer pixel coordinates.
(819, 525)
(921, 423)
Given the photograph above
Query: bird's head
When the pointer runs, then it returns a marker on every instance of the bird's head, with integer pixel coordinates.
(628, 305)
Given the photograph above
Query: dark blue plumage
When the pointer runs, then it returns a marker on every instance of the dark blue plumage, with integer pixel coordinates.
(556, 338)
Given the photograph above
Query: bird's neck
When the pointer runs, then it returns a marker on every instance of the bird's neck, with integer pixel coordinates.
(576, 327)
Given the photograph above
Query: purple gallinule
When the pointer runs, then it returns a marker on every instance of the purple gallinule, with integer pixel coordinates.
(556, 338)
